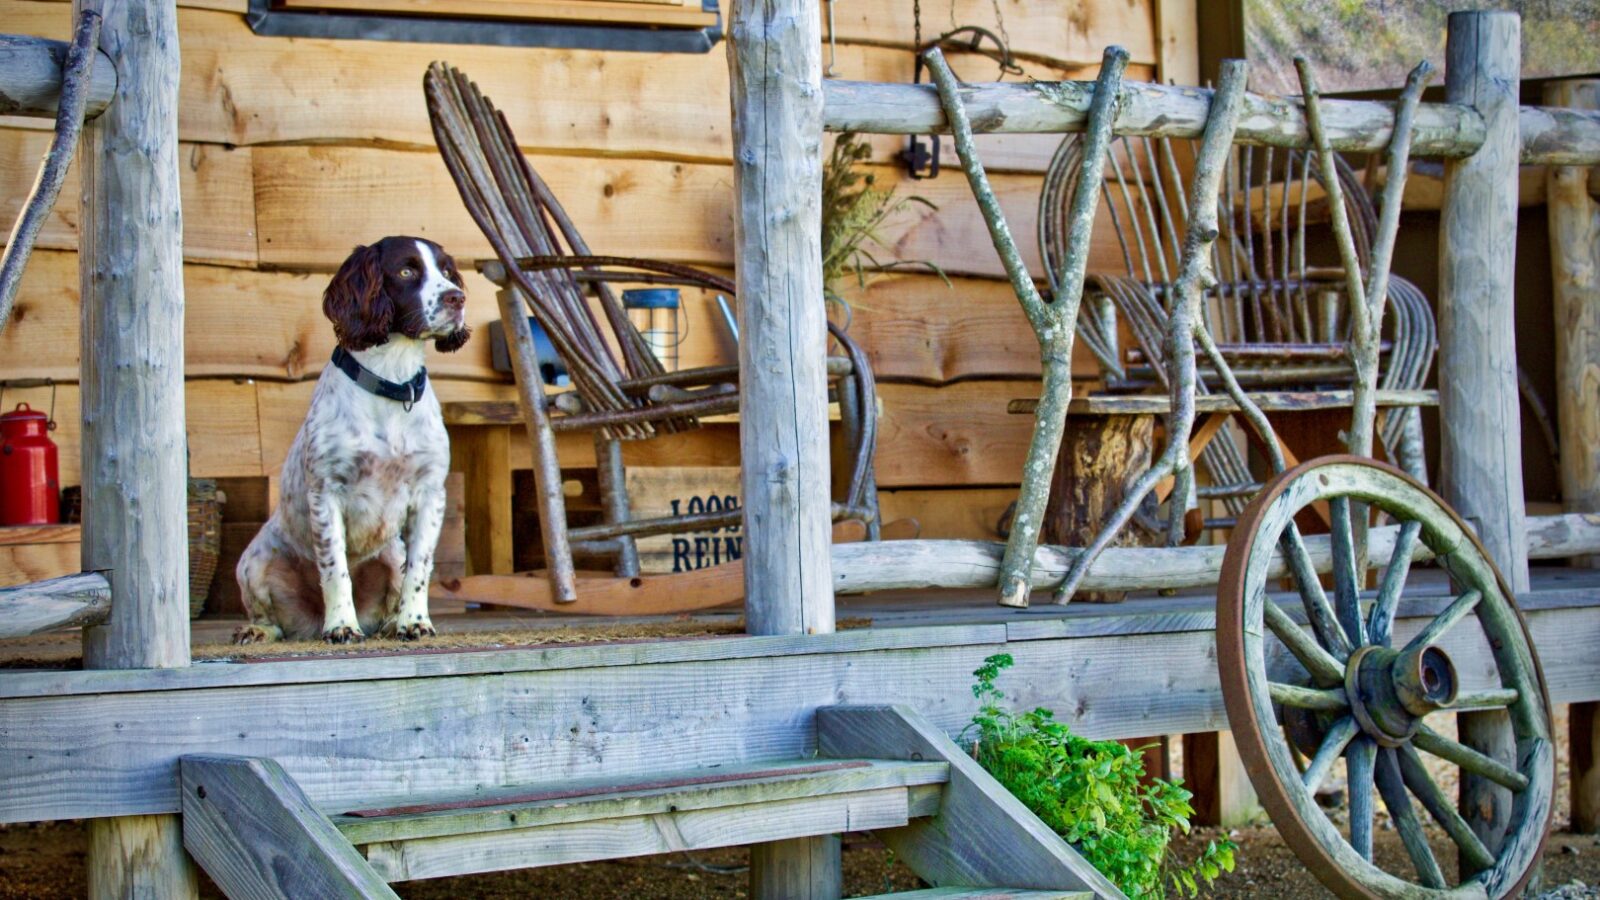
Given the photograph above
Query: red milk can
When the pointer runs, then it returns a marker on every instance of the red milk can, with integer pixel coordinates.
(30, 483)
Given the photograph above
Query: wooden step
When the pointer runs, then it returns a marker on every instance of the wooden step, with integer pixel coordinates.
(543, 825)
(984, 894)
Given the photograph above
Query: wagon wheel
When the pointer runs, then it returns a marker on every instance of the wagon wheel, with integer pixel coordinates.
(1358, 694)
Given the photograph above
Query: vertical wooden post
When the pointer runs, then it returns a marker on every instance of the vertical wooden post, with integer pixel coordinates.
(1575, 270)
(1481, 446)
(1583, 728)
(804, 868)
(135, 505)
(775, 64)
(1213, 770)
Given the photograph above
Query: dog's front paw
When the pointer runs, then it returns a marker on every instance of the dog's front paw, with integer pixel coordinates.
(343, 634)
(416, 631)
(257, 634)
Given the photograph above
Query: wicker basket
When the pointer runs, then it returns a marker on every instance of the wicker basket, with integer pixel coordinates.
(205, 533)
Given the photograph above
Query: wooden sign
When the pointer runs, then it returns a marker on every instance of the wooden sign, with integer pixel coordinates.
(689, 490)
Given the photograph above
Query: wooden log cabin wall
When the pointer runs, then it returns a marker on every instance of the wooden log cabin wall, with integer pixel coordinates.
(296, 150)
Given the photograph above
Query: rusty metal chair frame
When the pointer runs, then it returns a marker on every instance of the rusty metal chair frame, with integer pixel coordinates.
(545, 266)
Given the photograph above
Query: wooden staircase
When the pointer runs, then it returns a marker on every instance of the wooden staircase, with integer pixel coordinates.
(880, 769)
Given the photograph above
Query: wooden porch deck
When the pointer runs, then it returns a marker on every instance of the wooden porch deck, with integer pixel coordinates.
(365, 727)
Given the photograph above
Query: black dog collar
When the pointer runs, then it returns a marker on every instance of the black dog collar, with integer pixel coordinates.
(405, 392)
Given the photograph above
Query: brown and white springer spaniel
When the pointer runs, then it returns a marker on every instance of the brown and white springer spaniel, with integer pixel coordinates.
(349, 550)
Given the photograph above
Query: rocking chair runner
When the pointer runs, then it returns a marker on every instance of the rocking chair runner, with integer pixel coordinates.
(544, 261)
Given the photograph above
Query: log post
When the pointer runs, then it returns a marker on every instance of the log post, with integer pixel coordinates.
(1575, 275)
(1481, 436)
(135, 505)
(775, 66)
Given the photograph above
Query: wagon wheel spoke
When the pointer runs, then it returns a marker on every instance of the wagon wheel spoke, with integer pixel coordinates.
(1333, 744)
(1469, 759)
(1321, 664)
(1433, 799)
(1308, 698)
(1359, 763)
(1393, 790)
(1486, 699)
(1455, 612)
(1346, 579)
(1318, 611)
(1394, 581)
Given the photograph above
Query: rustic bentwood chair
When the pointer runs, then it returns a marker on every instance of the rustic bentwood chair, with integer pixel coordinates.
(620, 390)
(1279, 316)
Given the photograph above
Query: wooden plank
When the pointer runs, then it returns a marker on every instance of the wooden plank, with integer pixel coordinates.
(237, 323)
(627, 12)
(513, 807)
(917, 329)
(40, 534)
(312, 198)
(215, 183)
(242, 89)
(482, 455)
(668, 832)
(967, 514)
(73, 600)
(1177, 35)
(1041, 32)
(23, 563)
(257, 835)
(955, 435)
(982, 834)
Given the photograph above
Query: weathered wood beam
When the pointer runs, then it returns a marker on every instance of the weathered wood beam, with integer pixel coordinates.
(775, 69)
(257, 835)
(135, 506)
(1450, 130)
(82, 599)
(865, 567)
(79, 744)
(983, 836)
(30, 77)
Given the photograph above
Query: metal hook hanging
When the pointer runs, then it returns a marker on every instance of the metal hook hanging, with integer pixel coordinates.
(922, 159)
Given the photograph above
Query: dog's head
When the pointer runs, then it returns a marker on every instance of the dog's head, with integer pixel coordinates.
(400, 285)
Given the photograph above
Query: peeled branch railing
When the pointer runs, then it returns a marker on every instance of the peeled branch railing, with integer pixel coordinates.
(1550, 136)
(82, 599)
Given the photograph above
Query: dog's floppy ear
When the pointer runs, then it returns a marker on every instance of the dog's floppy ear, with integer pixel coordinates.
(355, 301)
(453, 341)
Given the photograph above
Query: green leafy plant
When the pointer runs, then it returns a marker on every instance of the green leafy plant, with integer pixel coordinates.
(854, 210)
(1092, 793)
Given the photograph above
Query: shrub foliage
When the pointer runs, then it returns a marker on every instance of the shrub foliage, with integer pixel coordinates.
(1092, 793)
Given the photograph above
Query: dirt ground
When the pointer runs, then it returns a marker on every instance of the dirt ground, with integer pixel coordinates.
(45, 862)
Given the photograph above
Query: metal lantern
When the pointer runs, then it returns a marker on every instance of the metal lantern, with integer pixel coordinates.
(654, 311)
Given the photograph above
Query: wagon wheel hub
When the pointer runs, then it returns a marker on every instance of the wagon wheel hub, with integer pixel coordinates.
(1391, 690)
(1362, 697)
